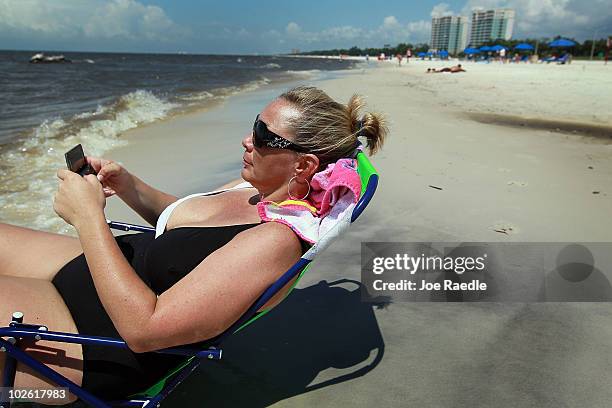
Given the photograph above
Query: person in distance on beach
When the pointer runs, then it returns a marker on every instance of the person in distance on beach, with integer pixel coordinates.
(212, 261)
(452, 70)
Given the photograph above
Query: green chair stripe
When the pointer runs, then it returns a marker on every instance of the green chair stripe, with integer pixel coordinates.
(265, 311)
(156, 388)
(365, 169)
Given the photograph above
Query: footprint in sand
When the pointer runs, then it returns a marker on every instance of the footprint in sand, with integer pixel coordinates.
(505, 228)
(517, 183)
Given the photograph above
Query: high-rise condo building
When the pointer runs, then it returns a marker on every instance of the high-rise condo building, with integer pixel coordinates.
(449, 33)
(491, 25)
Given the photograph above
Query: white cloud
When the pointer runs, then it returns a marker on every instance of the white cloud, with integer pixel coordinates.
(93, 19)
(243, 32)
(296, 33)
(533, 18)
(551, 17)
(421, 26)
(293, 28)
(271, 34)
(129, 19)
(341, 33)
(131, 24)
(390, 23)
(441, 10)
(391, 30)
(41, 17)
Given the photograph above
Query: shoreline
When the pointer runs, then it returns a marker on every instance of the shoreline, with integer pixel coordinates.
(32, 157)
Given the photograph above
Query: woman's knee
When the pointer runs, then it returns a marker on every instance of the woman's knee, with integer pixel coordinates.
(25, 252)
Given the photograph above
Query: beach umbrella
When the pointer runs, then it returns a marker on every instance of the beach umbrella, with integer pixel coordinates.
(561, 42)
(471, 50)
(524, 47)
(421, 54)
(485, 48)
(443, 54)
(497, 48)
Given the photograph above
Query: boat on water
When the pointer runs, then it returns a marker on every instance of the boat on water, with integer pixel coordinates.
(41, 58)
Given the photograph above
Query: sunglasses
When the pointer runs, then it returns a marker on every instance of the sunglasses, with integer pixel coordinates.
(263, 137)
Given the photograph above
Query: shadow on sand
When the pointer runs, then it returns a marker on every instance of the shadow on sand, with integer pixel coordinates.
(289, 351)
(316, 328)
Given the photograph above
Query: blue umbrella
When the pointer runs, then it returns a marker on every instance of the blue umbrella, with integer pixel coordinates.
(485, 48)
(524, 47)
(443, 53)
(561, 42)
(421, 54)
(471, 51)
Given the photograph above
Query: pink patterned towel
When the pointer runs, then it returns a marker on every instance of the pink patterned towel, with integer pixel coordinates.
(335, 181)
(334, 193)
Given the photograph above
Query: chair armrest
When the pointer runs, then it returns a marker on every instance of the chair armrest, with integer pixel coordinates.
(28, 332)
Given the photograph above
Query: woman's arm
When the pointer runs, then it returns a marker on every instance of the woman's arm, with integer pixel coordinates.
(147, 201)
(126, 298)
(201, 305)
(80, 202)
(150, 202)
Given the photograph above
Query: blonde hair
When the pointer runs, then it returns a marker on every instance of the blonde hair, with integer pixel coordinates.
(329, 129)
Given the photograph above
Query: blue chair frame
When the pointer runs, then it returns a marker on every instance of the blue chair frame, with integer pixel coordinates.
(17, 330)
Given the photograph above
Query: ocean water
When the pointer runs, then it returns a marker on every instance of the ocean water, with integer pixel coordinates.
(45, 109)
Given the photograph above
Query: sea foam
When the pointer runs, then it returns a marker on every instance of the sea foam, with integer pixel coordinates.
(28, 174)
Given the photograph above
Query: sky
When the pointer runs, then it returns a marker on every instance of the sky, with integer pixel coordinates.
(267, 27)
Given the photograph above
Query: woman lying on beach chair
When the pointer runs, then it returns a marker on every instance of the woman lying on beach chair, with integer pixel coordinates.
(212, 259)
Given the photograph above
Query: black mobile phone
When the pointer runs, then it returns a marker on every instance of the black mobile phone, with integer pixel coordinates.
(75, 160)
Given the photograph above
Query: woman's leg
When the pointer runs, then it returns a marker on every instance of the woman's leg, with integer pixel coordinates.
(41, 304)
(34, 254)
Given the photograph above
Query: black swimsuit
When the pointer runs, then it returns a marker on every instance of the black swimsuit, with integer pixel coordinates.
(110, 372)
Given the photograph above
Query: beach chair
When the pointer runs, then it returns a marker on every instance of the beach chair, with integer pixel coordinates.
(563, 59)
(11, 335)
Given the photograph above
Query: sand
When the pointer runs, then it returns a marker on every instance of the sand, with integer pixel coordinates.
(517, 177)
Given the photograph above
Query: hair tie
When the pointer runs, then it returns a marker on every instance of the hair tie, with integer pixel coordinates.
(358, 148)
(360, 125)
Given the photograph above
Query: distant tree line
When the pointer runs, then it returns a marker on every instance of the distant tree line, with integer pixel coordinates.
(582, 50)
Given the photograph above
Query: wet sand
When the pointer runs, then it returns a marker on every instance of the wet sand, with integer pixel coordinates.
(556, 126)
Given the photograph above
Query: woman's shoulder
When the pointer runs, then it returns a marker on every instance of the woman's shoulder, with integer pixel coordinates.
(238, 183)
(274, 235)
(274, 230)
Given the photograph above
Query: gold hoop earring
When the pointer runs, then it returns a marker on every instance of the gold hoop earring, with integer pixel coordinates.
(289, 189)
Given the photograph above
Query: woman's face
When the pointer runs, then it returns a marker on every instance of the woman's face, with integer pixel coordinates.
(269, 168)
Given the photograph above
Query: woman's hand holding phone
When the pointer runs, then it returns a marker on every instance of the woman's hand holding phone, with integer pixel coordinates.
(78, 198)
(114, 178)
